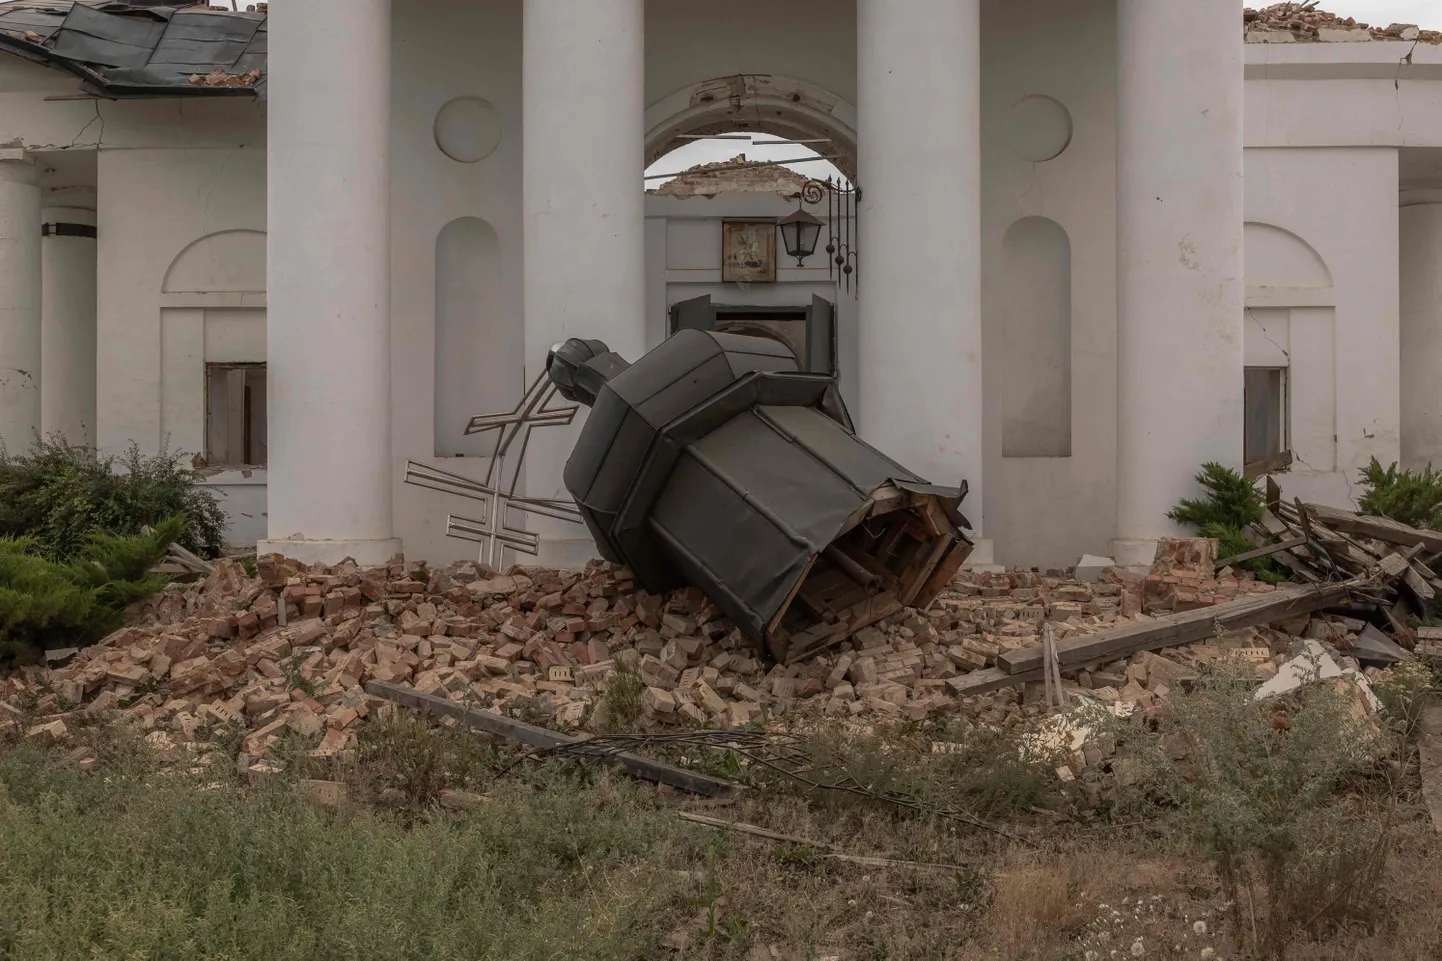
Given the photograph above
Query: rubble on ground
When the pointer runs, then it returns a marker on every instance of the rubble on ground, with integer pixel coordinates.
(288, 651)
(1303, 21)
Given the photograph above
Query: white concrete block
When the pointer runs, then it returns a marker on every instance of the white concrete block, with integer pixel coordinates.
(1090, 567)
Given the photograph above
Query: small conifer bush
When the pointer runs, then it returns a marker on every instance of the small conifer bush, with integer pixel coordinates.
(1231, 503)
(1411, 497)
(48, 604)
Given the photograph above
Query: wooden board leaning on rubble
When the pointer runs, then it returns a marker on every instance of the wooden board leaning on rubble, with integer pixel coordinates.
(544, 738)
(1186, 627)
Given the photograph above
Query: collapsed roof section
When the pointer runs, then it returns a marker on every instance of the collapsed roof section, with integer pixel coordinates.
(126, 50)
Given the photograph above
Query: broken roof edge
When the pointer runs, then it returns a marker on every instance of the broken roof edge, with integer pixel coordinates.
(95, 82)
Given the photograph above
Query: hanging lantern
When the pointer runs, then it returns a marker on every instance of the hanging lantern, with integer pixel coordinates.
(799, 233)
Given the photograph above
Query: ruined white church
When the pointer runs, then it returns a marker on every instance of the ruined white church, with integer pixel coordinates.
(1097, 243)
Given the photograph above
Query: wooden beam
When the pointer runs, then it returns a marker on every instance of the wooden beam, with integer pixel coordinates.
(1380, 528)
(1184, 628)
(990, 679)
(1268, 465)
(1270, 549)
(536, 736)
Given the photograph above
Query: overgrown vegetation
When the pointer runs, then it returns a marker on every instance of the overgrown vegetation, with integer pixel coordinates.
(1276, 795)
(177, 856)
(1231, 504)
(1410, 497)
(60, 496)
(47, 603)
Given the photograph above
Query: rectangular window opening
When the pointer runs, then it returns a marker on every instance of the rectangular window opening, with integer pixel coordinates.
(1266, 427)
(235, 423)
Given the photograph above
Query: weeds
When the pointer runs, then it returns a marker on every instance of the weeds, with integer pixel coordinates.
(1260, 790)
(404, 753)
(621, 704)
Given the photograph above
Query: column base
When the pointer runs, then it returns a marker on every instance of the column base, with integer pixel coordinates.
(983, 557)
(366, 553)
(1134, 554)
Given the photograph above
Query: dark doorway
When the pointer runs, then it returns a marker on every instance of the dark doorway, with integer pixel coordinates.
(809, 331)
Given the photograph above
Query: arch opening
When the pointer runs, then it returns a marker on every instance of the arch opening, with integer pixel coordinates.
(478, 352)
(1036, 340)
(782, 107)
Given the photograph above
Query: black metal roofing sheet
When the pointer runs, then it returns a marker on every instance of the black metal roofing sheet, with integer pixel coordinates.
(124, 50)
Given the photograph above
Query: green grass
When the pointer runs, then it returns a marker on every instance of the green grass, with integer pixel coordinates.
(147, 859)
(156, 867)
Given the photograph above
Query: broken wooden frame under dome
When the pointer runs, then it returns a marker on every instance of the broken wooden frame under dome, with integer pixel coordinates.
(714, 461)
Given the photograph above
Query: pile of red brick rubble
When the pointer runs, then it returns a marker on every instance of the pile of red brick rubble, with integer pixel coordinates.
(289, 651)
(1301, 21)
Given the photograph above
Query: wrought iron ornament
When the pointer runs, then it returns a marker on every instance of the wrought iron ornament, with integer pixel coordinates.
(497, 494)
(842, 212)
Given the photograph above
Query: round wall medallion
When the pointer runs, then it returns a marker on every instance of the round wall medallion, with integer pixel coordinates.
(1038, 128)
(468, 129)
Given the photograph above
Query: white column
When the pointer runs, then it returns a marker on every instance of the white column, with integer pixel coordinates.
(67, 324)
(918, 76)
(1420, 277)
(1179, 258)
(583, 131)
(328, 278)
(19, 300)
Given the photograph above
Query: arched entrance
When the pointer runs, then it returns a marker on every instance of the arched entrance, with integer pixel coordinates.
(765, 103)
(800, 304)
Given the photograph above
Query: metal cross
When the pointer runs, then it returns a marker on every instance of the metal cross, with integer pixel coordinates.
(497, 494)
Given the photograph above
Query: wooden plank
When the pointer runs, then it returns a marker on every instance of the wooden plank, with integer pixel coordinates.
(990, 679)
(536, 736)
(1268, 465)
(1381, 528)
(1270, 549)
(867, 612)
(1184, 628)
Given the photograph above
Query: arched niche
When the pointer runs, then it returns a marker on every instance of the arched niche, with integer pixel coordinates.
(227, 261)
(1036, 340)
(765, 103)
(1276, 257)
(479, 352)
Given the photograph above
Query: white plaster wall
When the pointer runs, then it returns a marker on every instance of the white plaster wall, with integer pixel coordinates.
(442, 50)
(1342, 202)
(28, 119)
(1047, 511)
(152, 204)
(691, 40)
(1343, 94)
(152, 344)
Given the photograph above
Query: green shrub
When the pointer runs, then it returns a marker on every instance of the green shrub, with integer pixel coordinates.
(1410, 497)
(1231, 505)
(46, 603)
(61, 496)
(1262, 786)
(1231, 501)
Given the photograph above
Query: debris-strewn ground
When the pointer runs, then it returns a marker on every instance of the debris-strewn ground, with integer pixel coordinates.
(224, 739)
(289, 651)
